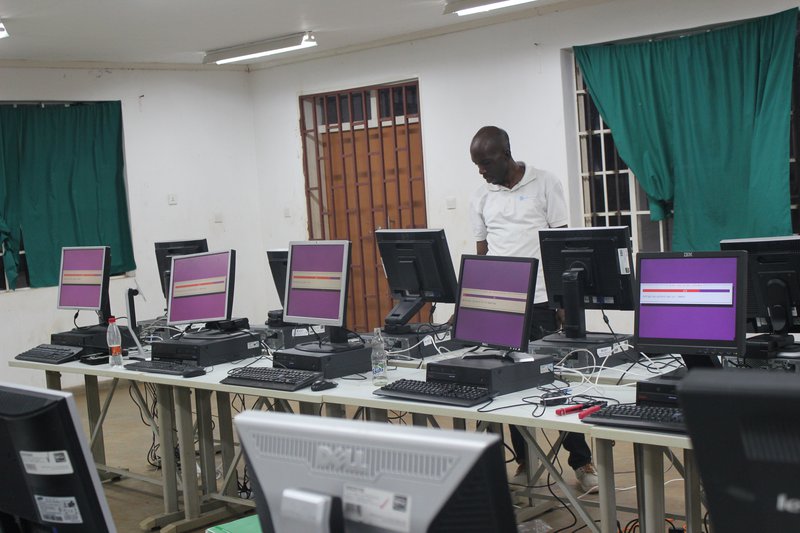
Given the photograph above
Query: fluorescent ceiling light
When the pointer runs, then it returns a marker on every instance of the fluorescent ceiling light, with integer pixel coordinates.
(3, 30)
(470, 7)
(270, 47)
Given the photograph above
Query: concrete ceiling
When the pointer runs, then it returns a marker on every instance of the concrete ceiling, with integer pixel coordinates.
(178, 32)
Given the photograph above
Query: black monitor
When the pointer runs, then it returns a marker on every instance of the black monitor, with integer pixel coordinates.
(278, 265)
(317, 289)
(165, 251)
(49, 479)
(743, 427)
(587, 268)
(773, 286)
(495, 301)
(418, 269)
(322, 474)
(691, 303)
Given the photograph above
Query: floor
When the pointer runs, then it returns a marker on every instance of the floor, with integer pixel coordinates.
(128, 441)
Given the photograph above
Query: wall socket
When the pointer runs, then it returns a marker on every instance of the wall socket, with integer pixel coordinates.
(172, 199)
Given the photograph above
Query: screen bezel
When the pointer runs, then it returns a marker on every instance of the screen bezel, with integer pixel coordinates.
(104, 301)
(229, 282)
(525, 334)
(345, 270)
(735, 347)
(164, 258)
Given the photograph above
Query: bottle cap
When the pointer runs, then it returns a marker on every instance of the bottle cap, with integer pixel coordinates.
(112, 320)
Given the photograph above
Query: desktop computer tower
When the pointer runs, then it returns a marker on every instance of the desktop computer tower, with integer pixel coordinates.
(498, 374)
(208, 347)
(91, 339)
(332, 364)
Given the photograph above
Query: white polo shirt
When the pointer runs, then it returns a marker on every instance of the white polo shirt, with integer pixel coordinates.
(510, 219)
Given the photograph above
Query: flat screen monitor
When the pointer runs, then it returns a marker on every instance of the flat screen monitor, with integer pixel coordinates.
(84, 278)
(418, 269)
(773, 283)
(278, 265)
(373, 477)
(316, 291)
(692, 303)
(49, 479)
(742, 423)
(495, 301)
(165, 251)
(587, 268)
(201, 288)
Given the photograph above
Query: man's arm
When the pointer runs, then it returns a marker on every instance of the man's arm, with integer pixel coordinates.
(482, 247)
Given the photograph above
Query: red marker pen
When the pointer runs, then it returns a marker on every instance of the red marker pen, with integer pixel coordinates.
(586, 412)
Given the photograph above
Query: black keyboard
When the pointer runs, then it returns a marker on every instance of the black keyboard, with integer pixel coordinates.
(265, 377)
(435, 392)
(172, 368)
(645, 417)
(51, 353)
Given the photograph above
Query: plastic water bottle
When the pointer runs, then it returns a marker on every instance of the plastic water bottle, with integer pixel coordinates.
(114, 341)
(379, 378)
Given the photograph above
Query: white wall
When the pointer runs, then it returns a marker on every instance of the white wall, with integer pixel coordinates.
(186, 132)
(513, 75)
(227, 143)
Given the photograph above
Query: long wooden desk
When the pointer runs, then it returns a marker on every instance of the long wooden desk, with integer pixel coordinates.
(203, 502)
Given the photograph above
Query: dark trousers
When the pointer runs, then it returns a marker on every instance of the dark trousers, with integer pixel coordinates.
(543, 321)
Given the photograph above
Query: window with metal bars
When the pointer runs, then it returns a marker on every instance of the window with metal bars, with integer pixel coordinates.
(611, 194)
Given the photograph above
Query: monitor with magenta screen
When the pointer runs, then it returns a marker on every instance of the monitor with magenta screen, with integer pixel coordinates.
(495, 298)
(316, 291)
(316, 473)
(201, 288)
(83, 283)
(692, 303)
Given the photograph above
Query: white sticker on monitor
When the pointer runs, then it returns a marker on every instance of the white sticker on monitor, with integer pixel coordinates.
(58, 510)
(378, 508)
(624, 264)
(53, 463)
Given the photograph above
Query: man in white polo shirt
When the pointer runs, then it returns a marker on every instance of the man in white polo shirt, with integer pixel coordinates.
(506, 214)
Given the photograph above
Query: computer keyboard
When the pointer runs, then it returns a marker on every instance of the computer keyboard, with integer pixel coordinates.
(435, 392)
(264, 377)
(172, 368)
(51, 353)
(645, 417)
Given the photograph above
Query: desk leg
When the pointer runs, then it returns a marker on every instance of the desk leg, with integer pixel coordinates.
(225, 425)
(93, 410)
(604, 455)
(52, 379)
(694, 519)
(166, 446)
(183, 421)
(208, 466)
(653, 470)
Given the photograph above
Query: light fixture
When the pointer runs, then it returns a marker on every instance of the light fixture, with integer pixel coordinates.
(3, 30)
(244, 52)
(470, 7)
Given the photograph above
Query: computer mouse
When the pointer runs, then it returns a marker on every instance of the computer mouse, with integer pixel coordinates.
(323, 385)
(193, 372)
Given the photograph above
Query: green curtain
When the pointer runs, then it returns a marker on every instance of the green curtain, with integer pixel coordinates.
(703, 122)
(62, 184)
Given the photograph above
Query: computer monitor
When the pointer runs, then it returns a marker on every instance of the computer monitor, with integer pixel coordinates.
(587, 268)
(495, 300)
(691, 303)
(316, 291)
(84, 278)
(773, 285)
(278, 266)
(201, 288)
(373, 477)
(49, 479)
(742, 424)
(165, 251)
(418, 269)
